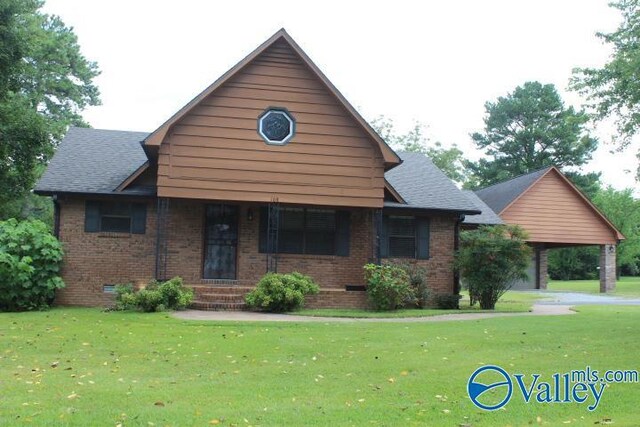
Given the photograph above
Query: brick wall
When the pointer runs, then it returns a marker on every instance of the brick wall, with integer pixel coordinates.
(441, 256)
(94, 259)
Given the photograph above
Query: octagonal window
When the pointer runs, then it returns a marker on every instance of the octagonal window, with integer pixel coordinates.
(276, 126)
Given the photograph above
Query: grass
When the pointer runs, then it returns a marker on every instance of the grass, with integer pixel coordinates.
(625, 286)
(85, 367)
(511, 302)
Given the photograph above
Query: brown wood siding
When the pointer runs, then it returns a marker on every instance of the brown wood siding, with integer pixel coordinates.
(552, 212)
(215, 152)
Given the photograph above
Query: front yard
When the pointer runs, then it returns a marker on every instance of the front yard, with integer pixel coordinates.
(86, 367)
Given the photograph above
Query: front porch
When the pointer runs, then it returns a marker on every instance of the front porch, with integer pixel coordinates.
(223, 249)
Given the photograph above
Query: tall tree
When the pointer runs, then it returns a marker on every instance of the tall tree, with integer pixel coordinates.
(45, 82)
(614, 89)
(449, 160)
(624, 211)
(529, 129)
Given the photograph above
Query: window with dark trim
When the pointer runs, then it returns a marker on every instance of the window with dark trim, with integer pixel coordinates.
(115, 217)
(310, 231)
(405, 237)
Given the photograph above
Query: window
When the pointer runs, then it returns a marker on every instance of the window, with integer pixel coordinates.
(276, 126)
(115, 217)
(402, 236)
(309, 231)
(405, 237)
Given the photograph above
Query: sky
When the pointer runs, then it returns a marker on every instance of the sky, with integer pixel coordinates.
(434, 62)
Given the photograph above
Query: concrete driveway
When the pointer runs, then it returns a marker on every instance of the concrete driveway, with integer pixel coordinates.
(578, 298)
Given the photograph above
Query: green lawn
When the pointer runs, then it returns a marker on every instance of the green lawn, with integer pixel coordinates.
(85, 367)
(511, 302)
(625, 286)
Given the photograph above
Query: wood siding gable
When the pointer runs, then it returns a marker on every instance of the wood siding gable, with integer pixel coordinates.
(212, 149)
(553, 210)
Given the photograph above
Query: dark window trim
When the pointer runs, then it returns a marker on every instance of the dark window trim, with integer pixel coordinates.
(94, 217)
(305, 231)
(418, 221)
(339, 247)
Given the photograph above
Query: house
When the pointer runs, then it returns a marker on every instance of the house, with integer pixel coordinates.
(268, 169)
(555, 214)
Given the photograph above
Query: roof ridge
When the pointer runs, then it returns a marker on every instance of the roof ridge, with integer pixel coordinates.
(516, 177)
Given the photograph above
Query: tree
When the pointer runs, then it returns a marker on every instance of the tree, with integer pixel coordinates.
(449, 160)
(614, 89)
(490, 259)
(623, 210)
(529, 129)
(45, 82)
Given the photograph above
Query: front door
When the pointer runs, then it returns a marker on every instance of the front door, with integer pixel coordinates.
(220, 242)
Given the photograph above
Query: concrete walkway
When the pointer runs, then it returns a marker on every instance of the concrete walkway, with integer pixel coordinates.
(580, 298)
(247, 316)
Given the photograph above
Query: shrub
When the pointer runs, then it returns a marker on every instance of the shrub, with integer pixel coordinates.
(388, 286)
(156, 296)
(125, 297)
(279, 293)
(490, 259)
(418, 281)
(30, 259)
(448, 302)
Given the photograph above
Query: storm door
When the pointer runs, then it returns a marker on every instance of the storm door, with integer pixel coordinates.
(220, 242)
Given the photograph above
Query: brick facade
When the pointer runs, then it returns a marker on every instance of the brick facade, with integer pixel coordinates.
(95, 259)
(543, 270)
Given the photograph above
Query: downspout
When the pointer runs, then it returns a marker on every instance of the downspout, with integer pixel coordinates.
(456, 246)
(56, 216)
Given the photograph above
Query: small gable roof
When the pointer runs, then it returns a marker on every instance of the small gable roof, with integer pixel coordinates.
(424, 186)
(487, 217)
(95, 161)
(391, 159)
(502, 194)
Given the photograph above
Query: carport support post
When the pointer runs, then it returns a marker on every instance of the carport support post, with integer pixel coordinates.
(607, 268)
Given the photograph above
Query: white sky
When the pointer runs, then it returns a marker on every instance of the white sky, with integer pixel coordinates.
(436, 62)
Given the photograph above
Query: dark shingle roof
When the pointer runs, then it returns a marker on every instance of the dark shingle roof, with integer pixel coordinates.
(487, 217)
(96, 161)
(93, 161)
(499, 196)
(423, 186)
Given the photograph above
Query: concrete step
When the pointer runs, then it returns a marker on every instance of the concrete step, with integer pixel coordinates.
(217, 306)
(213, 297)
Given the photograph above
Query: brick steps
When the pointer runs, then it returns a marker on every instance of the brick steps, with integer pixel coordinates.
(219, 298)
(217, 306)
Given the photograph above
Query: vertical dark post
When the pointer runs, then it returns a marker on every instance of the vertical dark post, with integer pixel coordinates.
(273, 226)
(377, 236)
(56, 217)
(162, 238)
(456, 245)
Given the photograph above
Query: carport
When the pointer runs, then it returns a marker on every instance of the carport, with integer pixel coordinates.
(555, 214)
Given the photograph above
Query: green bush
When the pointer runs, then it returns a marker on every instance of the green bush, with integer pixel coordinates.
(490, 259)
(418, 281)
(388, 287)
(30, 260)
(156, 296)
(279, 293)
(448, 302)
